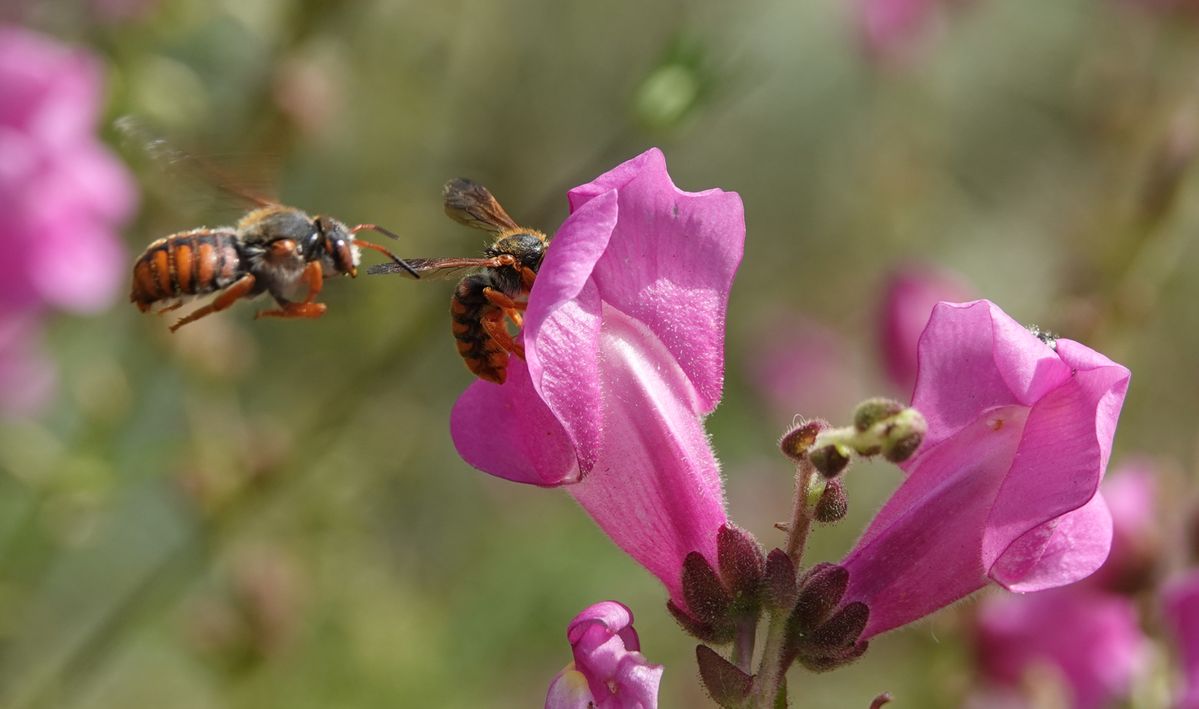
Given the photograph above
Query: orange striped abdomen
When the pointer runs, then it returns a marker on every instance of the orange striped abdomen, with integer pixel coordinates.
(190, 263)
(468, 307)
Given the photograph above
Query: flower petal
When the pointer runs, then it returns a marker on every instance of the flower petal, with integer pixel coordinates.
(1059, 552)
(1060, 460)
(963, 373)
(655, 488)
(569, 690)
(669, 263)
(508, 432)
(921, 552)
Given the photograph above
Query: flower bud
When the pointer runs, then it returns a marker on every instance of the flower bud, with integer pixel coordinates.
(726, 683)
(781, 589)
(904, 436)
(796, 441)
(873, 411)
(820, 591)
(692, 626)
(830, 460)
(707, 598)
(741, 563)
(833, 504)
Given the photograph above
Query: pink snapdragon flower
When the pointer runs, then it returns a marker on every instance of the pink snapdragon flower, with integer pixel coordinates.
(624, 340)
(62, 196)
(1004, 487)
(1089, 641)
(908, 299)
(1180, 610)
(888, 27)
(608, 671)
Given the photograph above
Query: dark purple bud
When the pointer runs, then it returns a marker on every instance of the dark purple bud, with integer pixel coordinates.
(826, 662)
(903, 448)
(726, 683)
(707, 598)
(781, 589)
(691, 626)
(829, 460)
(880, 700)
(741, 561)
(843, 629)
(873, 411)
(820, 591)
(833, 504)
(796, 441)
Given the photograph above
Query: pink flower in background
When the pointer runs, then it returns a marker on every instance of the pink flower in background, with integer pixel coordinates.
(624, 339)
(27, 380)
(608, 671)
(1131, 495)
(62, 194)
(908, 300)
(1004, 487)
(1089, 641)
(1180, 611)
(802, 367)
(888, 27)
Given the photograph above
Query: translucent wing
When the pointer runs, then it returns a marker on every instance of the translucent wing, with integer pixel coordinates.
(137, 136)
(434, 267)
(472, 204)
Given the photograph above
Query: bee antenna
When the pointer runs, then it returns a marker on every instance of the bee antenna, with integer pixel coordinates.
(375, 227)
(398, 261)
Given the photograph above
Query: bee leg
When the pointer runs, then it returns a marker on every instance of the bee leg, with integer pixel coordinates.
(169, 308)
(493, 325)
(314, 276)
(527, 276)
(240, 289)
(507, 305)
(295, 310)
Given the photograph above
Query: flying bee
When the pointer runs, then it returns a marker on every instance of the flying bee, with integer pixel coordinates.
(273, 249)
(487, 300)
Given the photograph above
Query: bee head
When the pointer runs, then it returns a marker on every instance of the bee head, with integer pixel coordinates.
(332, 243)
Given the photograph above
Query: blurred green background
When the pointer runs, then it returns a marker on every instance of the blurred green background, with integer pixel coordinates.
(252, 514)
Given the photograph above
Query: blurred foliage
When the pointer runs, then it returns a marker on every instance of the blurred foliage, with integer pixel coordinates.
(255, 514)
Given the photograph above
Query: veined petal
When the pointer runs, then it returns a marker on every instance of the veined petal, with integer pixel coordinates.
(655, 488)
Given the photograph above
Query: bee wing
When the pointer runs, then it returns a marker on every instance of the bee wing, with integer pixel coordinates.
(169, 158)
(472, 204)
(432, 268)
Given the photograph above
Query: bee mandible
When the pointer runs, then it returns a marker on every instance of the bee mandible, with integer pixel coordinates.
(273, 249)
(487, 300)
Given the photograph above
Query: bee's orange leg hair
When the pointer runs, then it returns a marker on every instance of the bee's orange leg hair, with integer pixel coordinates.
(493, 325)
(510, 307)
(240, 289)
(314, 275)
(295, 310)
(169, 308)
